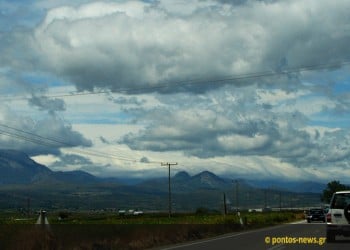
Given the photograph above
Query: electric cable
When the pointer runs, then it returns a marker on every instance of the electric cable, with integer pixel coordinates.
(196, 81)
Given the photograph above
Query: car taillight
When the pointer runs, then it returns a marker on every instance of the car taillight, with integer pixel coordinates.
(329, 218)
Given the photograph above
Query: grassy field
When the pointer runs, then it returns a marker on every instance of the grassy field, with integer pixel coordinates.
(96, 230)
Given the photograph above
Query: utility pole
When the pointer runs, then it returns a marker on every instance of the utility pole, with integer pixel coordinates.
(280, 198)
(236, 196)
(225, 206)
(169, 186)
(28, 206)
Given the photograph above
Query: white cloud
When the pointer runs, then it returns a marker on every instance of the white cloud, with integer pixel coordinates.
(132, 44)
(238, 143)
(44, 136)
(262, 124)
(278, 96)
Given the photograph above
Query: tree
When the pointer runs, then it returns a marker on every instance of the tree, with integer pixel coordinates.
(331, 188)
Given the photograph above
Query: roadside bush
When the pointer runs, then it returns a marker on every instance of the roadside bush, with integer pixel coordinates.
(202, 211)
(205, 211)
(63, 215)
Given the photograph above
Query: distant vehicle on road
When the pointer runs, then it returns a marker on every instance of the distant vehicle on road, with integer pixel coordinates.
(121, 212)
(338, 216)
(130, 212)
(315, 214)
(138, 212)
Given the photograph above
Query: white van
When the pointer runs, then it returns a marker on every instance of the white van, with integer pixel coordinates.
(338, 216)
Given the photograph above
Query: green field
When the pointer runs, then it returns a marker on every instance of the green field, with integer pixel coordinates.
(78, 218)
(87, 230)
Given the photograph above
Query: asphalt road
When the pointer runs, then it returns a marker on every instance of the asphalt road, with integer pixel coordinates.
(289, 236)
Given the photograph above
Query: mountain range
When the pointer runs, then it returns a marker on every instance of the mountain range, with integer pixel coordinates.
(22, 178)
(18, 168)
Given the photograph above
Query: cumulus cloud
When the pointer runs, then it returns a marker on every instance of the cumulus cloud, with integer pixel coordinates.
(208, 134)
(201, 57)
(239, 143)
(196, 129)
(70, 161)
(137, 45)
(130, 100)
(232, 125)
(45, 103)
(44, 136)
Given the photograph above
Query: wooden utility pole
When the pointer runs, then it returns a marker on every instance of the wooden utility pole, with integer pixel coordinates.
(280, 199)
(237, 198)
(225, 206)
(28, 206)
(169, 186)
(236, 194)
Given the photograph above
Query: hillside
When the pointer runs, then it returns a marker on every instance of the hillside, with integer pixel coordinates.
(296, 186)
(18, 168)
(22, 179)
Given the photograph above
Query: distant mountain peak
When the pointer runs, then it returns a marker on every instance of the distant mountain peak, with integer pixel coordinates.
(182, 175)
(207, 175)
(18, 168)
(14, 155)
(208, 179)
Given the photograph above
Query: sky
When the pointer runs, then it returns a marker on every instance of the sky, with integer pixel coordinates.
(254, 89)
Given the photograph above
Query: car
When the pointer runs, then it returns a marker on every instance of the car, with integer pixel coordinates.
(138, 212)
(338, 216)
(315, 214)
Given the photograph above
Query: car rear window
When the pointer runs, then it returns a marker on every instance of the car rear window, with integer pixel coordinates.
(316, 211)
(340, 201)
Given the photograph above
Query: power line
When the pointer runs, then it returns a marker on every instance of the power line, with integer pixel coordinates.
(70, 94)
(198, 81)
(52, 142)
(86, 152)
(34, 138)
